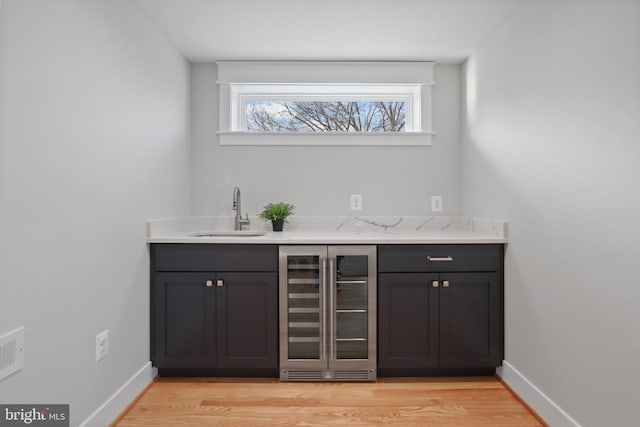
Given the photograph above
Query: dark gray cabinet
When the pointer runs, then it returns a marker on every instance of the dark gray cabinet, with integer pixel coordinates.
(439, 307)
(471, 332)
(214, 309)
(246, 320)
(408, 326)
(184, 321)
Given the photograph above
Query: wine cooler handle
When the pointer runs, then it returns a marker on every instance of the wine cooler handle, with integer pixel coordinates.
(323, 295)
(331, 311)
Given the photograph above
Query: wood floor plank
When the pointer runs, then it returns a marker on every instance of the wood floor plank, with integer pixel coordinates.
(444, 402)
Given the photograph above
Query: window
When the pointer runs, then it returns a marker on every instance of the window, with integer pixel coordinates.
(325, 103)
(325, 108)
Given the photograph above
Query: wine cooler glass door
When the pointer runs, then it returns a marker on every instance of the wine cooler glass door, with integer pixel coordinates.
(303, 300)
(352, 286)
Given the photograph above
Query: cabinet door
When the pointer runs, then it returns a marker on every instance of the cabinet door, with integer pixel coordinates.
(247, 320)
(351, 294)
(183, 320)
(407, 320)
(470, 320)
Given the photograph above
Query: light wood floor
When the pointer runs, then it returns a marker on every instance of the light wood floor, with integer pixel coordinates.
(467, 402)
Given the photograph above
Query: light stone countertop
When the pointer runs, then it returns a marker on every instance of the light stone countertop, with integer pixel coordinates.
(336, 230)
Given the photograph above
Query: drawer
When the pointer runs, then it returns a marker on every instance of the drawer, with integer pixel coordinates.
(213, 257)
(436, 258)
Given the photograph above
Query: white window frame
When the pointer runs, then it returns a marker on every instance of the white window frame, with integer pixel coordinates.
(408, 81)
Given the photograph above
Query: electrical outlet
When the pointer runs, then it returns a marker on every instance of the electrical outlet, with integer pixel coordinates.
(436, 204)
(102, 345)
(356, 202)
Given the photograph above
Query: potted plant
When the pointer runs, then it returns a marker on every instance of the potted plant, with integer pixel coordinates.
(277, 213)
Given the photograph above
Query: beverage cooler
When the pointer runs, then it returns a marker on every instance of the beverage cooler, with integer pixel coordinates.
(327, 313)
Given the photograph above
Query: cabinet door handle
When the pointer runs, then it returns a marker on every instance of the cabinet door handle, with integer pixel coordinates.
(445, 284)
(332, 296)
(439, 259)
(209, 283)
(323, 315)
(219, 283)
(434, 283)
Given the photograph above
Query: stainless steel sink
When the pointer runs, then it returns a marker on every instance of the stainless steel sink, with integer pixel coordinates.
(229, 233)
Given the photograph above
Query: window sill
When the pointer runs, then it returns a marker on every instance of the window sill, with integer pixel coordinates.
(325, 138)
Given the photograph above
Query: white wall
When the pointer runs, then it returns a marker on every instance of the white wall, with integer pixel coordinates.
(94, 122)
(552, 147)
(319, 180)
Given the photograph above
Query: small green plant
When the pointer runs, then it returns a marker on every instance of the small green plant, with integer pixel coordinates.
(276, 211)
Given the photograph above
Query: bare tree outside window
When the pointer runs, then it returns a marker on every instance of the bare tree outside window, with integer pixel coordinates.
(325, 116)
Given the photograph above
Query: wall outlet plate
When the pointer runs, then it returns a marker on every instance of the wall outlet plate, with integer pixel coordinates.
(356, 202)
(102, 345)
(436, 204)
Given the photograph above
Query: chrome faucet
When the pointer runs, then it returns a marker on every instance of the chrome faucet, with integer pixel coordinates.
(237, 206)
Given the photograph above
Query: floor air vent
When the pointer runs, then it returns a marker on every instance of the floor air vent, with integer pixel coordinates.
(11, 352)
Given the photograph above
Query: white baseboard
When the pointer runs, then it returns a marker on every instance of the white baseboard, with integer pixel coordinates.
(118, 401)
(546, 408)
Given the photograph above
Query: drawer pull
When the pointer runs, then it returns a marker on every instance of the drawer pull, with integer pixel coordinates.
(434, 283)
(436, 259)
(209, 283)
(445, 284)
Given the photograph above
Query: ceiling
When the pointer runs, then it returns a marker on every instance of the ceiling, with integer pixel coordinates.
(441, 30)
